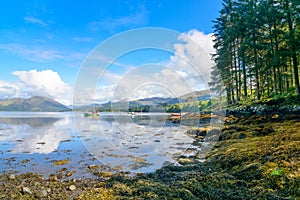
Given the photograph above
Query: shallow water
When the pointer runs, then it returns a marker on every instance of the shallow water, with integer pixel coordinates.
(120, 142)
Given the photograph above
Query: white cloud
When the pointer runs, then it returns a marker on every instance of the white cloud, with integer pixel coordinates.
(34, 20)
(192, 57)
(186, 71)
(37, 83)
(143, 82)
(103, 94)
(9, 90)
(44, 83)
(151, 90)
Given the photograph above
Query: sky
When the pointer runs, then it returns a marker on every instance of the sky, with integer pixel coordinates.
(46, 44)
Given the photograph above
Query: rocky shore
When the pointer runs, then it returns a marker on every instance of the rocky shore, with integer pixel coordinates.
(256, 157)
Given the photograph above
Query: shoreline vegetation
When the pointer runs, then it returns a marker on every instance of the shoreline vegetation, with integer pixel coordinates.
(257, 152)
(256, 157)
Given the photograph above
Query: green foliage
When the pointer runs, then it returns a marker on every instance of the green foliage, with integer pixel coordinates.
(191, 107)
(257, 49)
(276, 172)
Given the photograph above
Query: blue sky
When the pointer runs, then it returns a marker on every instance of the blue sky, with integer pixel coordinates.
(50, 39)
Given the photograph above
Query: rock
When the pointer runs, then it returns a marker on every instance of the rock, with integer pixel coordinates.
(184, 161)
(41, 143)
(197, 132)
(93, 167)
(214, 131)
(37, 183)
(202, 132)
(231, 119)
(25, 161)
(26, 190)
(193, 131)
(44, 193)
(72, 187)
(275, 116)
(61, 162)
(12, 177)
(60, 175)
(69, 174)
(53, 177)
(201, 137)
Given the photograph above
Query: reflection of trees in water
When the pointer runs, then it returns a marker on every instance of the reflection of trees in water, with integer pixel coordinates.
(31, 121)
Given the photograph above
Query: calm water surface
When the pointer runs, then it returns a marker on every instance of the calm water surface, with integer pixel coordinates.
(120, 142)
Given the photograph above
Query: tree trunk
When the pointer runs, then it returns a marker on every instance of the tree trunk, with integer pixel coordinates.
(293, 48)
(257, 74)
(245, 78)
(296, 73)
(236, 74)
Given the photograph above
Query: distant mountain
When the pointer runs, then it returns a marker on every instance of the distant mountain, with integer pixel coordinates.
(37, 103)
(142, 104)
(197, 95)
(155, 101)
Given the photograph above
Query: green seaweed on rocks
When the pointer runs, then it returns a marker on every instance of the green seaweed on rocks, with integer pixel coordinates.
(247, 162)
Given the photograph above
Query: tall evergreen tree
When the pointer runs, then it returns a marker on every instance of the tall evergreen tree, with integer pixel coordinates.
(257, 48)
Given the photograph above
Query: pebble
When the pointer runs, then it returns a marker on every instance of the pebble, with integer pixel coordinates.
(44, 192)
(69, 174)
(53, 178)
(93, 167)
(12, 177)
(26, 190)
(60, 175)
(37, 183)
(72, 187)
(184, 161)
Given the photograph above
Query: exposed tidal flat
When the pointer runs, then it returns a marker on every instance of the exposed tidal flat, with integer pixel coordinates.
(256, 157)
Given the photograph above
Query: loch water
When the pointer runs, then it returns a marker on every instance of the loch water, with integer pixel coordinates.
(36, 141)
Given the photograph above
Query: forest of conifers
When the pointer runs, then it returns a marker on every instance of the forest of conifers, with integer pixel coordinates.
(257, 49)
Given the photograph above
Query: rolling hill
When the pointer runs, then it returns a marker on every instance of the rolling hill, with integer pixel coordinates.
(146, 102)
(37, 104)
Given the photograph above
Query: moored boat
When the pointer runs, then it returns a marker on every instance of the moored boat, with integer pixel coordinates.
(93, 114)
